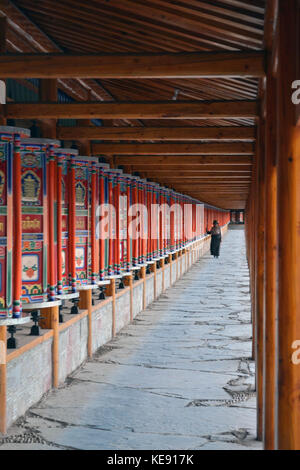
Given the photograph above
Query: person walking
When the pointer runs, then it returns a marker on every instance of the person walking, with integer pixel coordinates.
(216, 238)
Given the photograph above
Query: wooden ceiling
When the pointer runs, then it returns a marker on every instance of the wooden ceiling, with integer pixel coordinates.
(157, 26)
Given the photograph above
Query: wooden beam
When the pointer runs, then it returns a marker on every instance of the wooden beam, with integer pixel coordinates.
(138, 110)
(203, 168)
(220, 148)
(196, 173)
(158, 65)
(157, 133)
(191, 160)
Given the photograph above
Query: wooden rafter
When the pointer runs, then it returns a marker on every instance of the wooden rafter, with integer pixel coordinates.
(219, 148)
(147, 110)
(157, 133)
(170, 65)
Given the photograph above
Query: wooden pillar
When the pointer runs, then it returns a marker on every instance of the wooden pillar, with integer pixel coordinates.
(269, 381)
(259, 300)
(3, 379)
(84, 146)
(154, 279)
(162, 265)
(128, 282)
(288, 403)
(85, 303)
(51, 315)
(143, 274)
(48, 93)
(177, 260)
(111, 291)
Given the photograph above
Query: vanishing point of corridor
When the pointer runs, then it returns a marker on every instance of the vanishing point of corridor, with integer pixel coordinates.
(180, 376)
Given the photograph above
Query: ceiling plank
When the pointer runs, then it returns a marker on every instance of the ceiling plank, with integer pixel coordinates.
(162, 65)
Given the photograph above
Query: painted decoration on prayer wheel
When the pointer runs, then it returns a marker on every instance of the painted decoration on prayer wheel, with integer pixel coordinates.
(114, 262)
(103, 225)
(155, 219)
(63, 158)
(37, 231)
(123, 207)
(82, 202)
(7, 137)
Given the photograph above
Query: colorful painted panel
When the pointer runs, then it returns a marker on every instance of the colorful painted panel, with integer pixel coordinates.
(34, 221)
(82, 198)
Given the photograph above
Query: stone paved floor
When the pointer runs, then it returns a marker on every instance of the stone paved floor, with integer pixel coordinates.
(179, 377)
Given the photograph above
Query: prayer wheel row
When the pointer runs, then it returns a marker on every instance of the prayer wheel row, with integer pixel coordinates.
(68, 221)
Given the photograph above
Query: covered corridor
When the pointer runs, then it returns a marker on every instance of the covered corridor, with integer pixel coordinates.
(132, 132)
(179, 377)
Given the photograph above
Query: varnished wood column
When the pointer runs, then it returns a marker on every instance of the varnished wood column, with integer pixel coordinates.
(85, 303)
(269, 381)
(288, 403)
(48, 94)
(3, 336)
(259, 278)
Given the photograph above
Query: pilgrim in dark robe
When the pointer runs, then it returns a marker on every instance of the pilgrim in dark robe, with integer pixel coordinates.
(216, 238)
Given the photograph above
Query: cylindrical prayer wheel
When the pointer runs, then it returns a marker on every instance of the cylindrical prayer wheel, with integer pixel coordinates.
(63, 158)
(10, 221)
(38, 183)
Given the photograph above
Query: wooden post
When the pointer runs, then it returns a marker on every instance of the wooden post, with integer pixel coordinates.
(288, 402)
(3, 340)
(48, 94)
(170, 264)
(128, 282)
(143, 273)
(51, 315)
(111, 291)
(154, 279)
(259, 306)
(162, 265)
(270, 269)
(85, 303)
(177, 260)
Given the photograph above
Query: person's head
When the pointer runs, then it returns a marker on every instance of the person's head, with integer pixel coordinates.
(215, 222)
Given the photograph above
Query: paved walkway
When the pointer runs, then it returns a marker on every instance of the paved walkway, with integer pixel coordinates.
(179, 377)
